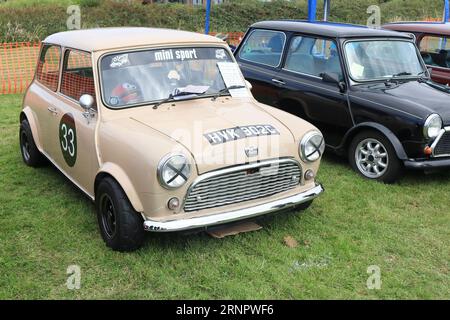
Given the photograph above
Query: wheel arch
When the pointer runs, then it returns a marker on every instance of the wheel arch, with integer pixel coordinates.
(28, 114)
(398, 147)
(118, 174)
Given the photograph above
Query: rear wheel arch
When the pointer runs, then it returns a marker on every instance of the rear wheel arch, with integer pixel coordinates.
(115, 172)
(28, 114)
(348, 138)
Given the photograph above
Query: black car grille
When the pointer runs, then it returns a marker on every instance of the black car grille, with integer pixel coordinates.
(443, 145)
(243, 184)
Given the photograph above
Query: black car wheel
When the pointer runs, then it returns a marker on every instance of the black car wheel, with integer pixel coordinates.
(30, 153)
(373, 156)
(120, 225)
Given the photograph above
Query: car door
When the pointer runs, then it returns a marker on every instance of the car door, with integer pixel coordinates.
(322, 103)
(75, 127)
(43, 94)
(259, 58)
(435, 51)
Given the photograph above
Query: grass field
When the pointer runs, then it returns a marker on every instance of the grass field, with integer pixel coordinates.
(46, 225)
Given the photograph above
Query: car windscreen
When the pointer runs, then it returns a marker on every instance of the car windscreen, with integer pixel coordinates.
(149, 76)
(382, 59)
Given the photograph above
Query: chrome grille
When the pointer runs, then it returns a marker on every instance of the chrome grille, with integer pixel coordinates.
(443, 145)
(242, 183)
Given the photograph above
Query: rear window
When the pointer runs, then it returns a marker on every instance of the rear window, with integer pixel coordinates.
(263, 47)
(47, 70)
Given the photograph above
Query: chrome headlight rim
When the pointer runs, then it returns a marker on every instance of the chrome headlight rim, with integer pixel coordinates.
(163, 164)
(427, 126)
(304, 142)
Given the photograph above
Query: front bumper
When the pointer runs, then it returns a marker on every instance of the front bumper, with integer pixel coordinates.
(221, 218)
(427, 164)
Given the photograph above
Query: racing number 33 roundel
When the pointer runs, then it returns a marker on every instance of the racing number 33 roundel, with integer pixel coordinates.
(68, 139)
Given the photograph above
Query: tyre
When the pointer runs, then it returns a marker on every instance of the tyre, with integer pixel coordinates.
(30, 153)
(120, 225)
(372, 155)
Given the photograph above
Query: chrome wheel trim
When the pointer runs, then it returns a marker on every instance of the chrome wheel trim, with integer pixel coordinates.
(371, 158)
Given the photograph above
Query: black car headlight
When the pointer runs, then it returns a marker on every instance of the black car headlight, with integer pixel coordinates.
(173, 171)
(432, 126)
(312, 146)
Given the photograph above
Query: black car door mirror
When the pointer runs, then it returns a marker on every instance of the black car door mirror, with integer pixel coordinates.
(333, 78)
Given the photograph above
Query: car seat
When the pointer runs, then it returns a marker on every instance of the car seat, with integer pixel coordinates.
(300, 62)
(333, 66)
(441, 58)
(427, 58)
(276, 43)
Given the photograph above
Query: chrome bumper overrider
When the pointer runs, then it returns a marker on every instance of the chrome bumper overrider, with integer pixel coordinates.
(221, 218)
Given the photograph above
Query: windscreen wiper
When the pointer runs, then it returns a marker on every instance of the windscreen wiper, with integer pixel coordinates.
(435, 85)
(400, 74)
(179, 93)
(225, 90)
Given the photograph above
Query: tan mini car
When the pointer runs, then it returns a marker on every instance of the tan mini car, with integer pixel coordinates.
(160, 129)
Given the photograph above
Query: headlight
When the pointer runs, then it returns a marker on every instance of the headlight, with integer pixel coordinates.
(173, 171)
(312, 146)
(432, 126)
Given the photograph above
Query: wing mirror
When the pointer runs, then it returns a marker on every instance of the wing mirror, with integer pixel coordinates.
(333, 78)
(87, 102)
(249, 85)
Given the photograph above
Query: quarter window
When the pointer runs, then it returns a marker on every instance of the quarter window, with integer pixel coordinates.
(263, 47)
(47, 71)
(435, 51)
(77, 75)
(313, 56)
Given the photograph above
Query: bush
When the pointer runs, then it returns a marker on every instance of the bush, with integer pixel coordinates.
(89, 3)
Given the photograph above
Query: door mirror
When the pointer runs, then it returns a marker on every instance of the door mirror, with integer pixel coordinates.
(249, 85)
(87, 101)
(430, 71)
(333, 78)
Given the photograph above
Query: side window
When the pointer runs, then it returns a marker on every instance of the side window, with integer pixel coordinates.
(435, 51)
(264, 47)
(77, 75)
(313, 56)
(47, 70)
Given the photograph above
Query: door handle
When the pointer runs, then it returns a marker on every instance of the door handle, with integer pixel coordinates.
(280, 82)
(52, 110)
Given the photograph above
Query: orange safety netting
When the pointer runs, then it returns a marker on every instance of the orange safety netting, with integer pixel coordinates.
(18, 62)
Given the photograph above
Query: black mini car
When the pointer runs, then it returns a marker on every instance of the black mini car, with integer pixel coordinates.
(368, 91)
